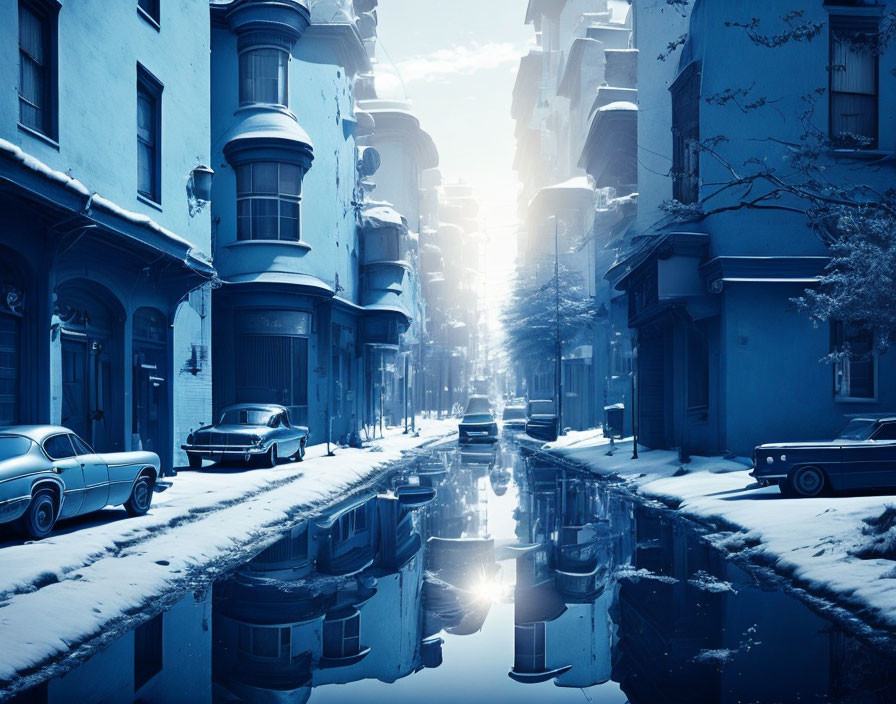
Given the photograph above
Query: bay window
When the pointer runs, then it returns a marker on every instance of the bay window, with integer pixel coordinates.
(263, 76)
(267, 201)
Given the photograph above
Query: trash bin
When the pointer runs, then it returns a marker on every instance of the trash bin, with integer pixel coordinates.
(614, 420)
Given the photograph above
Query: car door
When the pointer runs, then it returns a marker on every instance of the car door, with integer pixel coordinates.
(96, 475)
(61, 454)
(881, 465)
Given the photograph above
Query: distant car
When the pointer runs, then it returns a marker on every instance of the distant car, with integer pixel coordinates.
(256, 433)
(478, 427)
(48, 473)
(478, 404)
(513, 418)
(863, 456)
(542, 422)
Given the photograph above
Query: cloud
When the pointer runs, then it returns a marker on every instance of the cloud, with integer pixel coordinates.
(458, 61)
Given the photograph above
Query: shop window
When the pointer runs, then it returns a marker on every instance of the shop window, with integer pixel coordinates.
(269, 195)
(853, 69)
(37, 66)
(263, 76)
(855, 371)
(149, 136)
(529, 647)
(147, 651)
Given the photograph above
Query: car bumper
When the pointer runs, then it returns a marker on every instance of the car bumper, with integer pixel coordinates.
(219, 453)
(11, 509)
(474, 439)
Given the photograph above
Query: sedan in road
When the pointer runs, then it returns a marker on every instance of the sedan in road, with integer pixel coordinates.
(255, 433)
(863, 456)
(48, 473)
(542, 421)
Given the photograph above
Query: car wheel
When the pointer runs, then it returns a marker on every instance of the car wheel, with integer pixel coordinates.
(141, 496)
(271, 456)
(194, 460)
(301, 453)
(40, 516)
(808, 481)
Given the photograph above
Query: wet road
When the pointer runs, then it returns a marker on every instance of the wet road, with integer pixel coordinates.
(483, 576)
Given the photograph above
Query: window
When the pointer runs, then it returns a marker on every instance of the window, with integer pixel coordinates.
(81, 447)
(147, 651)
(886, 432)
(267, 201)
(149, 135)
(686, 136)
(263, 76)
(698, 368)
(853, 82)
(58, 447)
(37, 67)
(342, 636)
(529, 647)
(855, 371)
(150, 10)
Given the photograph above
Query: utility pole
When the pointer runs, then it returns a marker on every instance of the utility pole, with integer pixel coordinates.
(559, 371)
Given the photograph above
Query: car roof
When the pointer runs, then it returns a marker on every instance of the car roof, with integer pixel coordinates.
(38, 433)
(256, 406)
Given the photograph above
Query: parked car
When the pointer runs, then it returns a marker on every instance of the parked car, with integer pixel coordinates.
(478, 423)
(542, 422)
(513, 418)
(48, 473)
(255, 433)
(863, 456)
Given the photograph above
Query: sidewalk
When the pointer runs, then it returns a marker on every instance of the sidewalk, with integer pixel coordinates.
(86, 578)
(839, 547)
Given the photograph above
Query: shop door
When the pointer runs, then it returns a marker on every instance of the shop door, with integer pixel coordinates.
(86, 388)
(150, 411)
(274, 369)
(9, 369)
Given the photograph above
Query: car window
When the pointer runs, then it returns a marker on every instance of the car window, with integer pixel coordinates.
(514, 413)
(81, 447)
(477, 418)
(887, 432)
(857, 429)
(246, 416)
(58, 447)
(13, 446)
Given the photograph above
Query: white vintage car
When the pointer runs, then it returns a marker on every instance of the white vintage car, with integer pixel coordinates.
(47, 473)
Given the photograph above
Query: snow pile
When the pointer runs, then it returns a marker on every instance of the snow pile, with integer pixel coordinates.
(840, 547)
(86, 580)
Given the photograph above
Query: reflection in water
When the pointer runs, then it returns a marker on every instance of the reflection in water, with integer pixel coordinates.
(478, 575)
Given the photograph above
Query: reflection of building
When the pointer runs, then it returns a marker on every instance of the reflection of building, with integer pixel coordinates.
(335, 600)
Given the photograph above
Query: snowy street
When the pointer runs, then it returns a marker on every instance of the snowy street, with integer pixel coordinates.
(77, 586)
(837, 547)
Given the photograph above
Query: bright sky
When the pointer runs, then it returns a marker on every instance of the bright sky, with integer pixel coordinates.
(458, 61)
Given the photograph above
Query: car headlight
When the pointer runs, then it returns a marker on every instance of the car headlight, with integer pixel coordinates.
(769, 460)
(783, 458)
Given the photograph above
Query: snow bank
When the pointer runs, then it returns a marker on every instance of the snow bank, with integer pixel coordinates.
(842, 547)
(83, 580)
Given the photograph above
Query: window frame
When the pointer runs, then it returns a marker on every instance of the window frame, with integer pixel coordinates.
(148, 84)
(251, 196)
(48, 12)
(43, 446)
(154, 15)
(841, 369)
(340, 623)
(685, 92)
(858, 24)
(282, 85)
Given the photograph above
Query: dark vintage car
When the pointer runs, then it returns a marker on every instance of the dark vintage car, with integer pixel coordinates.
(478, 423)
(863, 456)
(254, 433)
(542, 422)
(48, 473)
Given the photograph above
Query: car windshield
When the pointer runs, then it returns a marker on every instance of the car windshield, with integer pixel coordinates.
(478, 404)
(13, 446)
(541, 407)
(857, 429)
(247, 416)
(514, 413)
(477, 418)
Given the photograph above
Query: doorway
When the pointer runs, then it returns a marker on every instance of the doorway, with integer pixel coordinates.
(150, 397)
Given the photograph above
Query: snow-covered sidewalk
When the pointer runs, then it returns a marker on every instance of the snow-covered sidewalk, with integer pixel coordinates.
(834, 546)
(57, 593)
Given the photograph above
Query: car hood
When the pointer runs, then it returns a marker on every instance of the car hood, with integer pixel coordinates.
(805, 445)
(136, 457)
(543, 417)
(239, 430)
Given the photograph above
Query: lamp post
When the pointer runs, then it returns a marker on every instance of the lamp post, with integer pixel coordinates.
(635, 409)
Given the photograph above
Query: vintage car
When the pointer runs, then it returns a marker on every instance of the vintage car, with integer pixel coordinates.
(48, 473)
(478, 423)
(542, 422)
(255, 433)
(513, 418)
(863, 456)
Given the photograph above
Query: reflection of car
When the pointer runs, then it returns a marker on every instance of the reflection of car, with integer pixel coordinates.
(862, 457)
(253, 432)
(513, 418)
(542, 422)
(47, 473)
